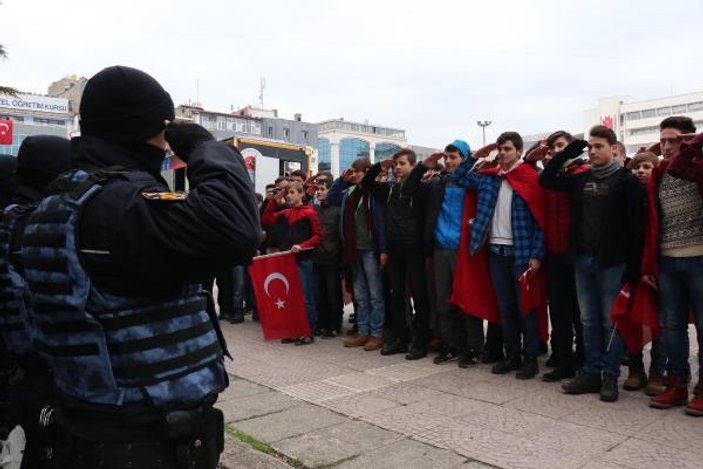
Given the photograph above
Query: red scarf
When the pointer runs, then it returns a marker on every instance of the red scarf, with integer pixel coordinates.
(472, 289)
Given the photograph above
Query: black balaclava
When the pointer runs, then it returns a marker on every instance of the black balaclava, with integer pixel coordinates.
(8, 168)
(126, 106)
(41, 159)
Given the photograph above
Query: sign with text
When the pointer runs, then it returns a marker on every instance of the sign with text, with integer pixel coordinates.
(30, 102)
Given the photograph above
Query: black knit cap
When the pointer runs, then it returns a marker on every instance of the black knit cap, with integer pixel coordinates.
(41, 159)
(123, 105)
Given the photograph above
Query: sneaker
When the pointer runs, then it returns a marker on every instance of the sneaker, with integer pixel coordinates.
(304, 340)
(529, 368)
(512, 363)
(356, 341)
(394, 347)
(609, 388)
(468, 358)
(443, 357)
(583, 383)
(374, 343)
(557, 374)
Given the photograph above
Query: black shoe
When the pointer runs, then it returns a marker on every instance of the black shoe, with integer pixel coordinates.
(609, 388)
(512, 363)
(394, 347)
(328, 334)
(443, 357)
(468, 358)
(492, 356)
(551, 361)
(236, 320)
(557, 374)
(583, 383)
(304, 340)
(529, 368)
(416, 353)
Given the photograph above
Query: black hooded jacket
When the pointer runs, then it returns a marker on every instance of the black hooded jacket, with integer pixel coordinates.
(141, 247)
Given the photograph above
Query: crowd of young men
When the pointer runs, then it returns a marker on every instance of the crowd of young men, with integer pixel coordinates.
(504, 235)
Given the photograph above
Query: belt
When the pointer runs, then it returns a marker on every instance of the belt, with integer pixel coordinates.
(501, 249)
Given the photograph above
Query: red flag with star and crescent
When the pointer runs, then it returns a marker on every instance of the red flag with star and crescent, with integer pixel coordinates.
(279, 296)
(5, 132)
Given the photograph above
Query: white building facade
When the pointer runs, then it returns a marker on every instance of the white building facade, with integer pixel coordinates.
(636, 123)
(340, 142)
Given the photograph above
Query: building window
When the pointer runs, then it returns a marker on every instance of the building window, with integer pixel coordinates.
(631, 116)
(286, 132)
(351, 149)
(664, 111)
(678, 109)
(644, 131)
(270, 131)
(385, 150)
(42, 121)
(305, 135)
(649, 113)
(324, 154)
(697, 106)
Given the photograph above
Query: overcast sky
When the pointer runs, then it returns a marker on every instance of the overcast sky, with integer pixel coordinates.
(431, 67)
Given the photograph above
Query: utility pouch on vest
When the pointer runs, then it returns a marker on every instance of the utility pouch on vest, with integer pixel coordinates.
(200, 449)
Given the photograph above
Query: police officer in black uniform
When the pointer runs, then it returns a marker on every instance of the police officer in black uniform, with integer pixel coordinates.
(114, 261)
(39, 161)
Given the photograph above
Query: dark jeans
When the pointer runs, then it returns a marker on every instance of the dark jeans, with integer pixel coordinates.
(563, 311)
(407, 271)
(230, 292)
(459, 330)
(597, 289)
(517, 327)
(306, 280)
(328, 295)
(249, 297)
(681, 292)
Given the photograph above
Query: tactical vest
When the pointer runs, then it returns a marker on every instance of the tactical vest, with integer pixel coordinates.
(107, 349)
(15, 322)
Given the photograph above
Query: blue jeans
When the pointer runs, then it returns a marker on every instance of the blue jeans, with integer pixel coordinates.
(238, 291)
(368, 294)
(597, 289)
(305, 272)
(514, 324)
(680, 291)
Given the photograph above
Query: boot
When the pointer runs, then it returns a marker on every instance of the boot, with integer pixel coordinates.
(529, 368)
(695, 407)
(356, 341)
(637, 377)
(393, 347)
(557, 374)
(609, 389)
(676, 393)
(697, 387)
(655, 385)
(512, 363)
(468, 358)
(583, 383)
(374, 343)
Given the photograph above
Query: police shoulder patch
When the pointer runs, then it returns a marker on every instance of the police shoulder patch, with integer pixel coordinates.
(164, 196)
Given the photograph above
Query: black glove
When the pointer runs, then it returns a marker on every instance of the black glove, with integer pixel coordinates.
(183, 138)
(573, 150)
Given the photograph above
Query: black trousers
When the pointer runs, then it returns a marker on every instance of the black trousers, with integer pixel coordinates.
(327, 279)
(564, 312)
(409, 280)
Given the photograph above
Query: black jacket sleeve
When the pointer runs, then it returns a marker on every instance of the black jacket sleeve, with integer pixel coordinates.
(370, 185)
(552, 177)
(635, 226)
(413, 185)
(215, 227)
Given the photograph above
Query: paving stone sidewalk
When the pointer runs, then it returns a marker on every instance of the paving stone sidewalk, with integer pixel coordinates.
(324, 406)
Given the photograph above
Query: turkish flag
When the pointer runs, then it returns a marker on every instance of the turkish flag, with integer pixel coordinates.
(279, 296)
(5, 132)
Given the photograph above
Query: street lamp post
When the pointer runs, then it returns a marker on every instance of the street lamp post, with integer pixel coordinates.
(483, 125)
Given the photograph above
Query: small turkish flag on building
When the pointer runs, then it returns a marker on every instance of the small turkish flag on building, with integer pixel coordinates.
(279, 296)
(5, 132)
